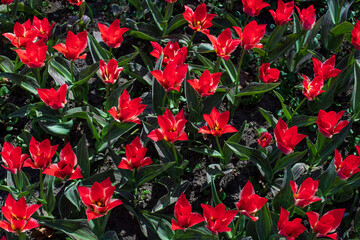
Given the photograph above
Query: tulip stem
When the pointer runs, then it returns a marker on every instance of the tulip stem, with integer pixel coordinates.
(219, 146)
(36, 72)
(191, 40)
(42, 194)
(167, 11)
(22, 236)
(72, 71)
(164, 99)
(237, 226)
(217, 65)
(98, 221)
(18, 187)
(239, 71)
(298, 107)
(246, 20)
(198, 109)
(175, 155)
(110, 51)
(107, 96)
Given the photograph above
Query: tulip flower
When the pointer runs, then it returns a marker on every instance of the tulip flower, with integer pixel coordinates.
(217, 123)
(207, 84)
(74, 46)
(328, 123)
(65, 167)
(41, 153)
(264, 140)
(7, 2)
(76, 2)
(18, 214)
(251, 35)
(34, 55)
(110, 72)
(127, 110)
(12, 158)
(326, 69)
(286, 138)
(355, 35)
(306, 194)
(283, 12)
(23, 33)
(172, 76)
(345, 169)
(267, 74)
(289, 229)
(311, 89)
(307, 17)
(171, 52)
(249, 202)
(98, 199)
(171, 1)
(3, 238)
(199, 20)
(217, 218)
(224, 44)
(328, 223)
(43, 28)
(184, 217)
(171, 128)
(253, 7)
(112, 35)
(52, 98)
(135, 156)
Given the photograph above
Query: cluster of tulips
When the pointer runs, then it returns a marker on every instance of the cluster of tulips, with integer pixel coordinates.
(30, 40)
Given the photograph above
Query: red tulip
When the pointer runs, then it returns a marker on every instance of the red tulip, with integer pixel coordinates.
(43, 28)
(65, 167)
(198, 20)
(249, 202)
(267, 74)
(34, 55)
(355, 35)
(110, 71)
(52, 98)
(74, 46)
(307, 17)
(328, 123)
(251, 36)
(98, 198)
(306, 194)
(23, 33)
(283, 12)
(311, 89)
(127, 110)
(328, 223)
(171, 1)
(7, 2)
(264, 140)
(3, 238)
(112, 35)
(207, 84)
(217, 123)
(41, 153)
(171, 128)
(253, 7)
(135, 156)
(184, 217)
(171, 52)
(172, 76)
(18, 215)
(286, 138)
(326, 69)
(289, 229)
(224, 44)
(76, 2)
(217, 218)
(345, 169)
(12, 158)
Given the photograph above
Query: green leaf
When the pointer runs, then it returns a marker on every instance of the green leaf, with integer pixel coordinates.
(327, 178)
(71, 193)
(230, 69)
(275, 37)
(87, 73)
(303, 121)
(115, 94)
(355, 98)
(192, 99)
(109, 235)
(285, 197)
(158, 92)
(60, 73)
(269, 117)
(341, 29)
(285, 109)
(49, 190)
(289, 160)
(235, 139)
(176, 21)
(214, 194)
(28, 83)
(78, 229)
(6, 64)
(147, 173)
(162, 226)
(97, 52)
(56, 128)
(127, 58)
(257, 88)
(154, 10)
(334, 8)
(255, 156)
(208, 103)
(263, 225)
(83, 156)
(207, 151)
(141, 35)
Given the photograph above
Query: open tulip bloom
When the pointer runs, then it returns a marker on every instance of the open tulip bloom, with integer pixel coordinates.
(283, 12)
(355, 35)
(172, 52)
(23, 33)
(43, 28)
(249, 202)
(41, 154)
(251, 35)
(217, 123)
(289, 229)
(264, 140)
(12, 157)
(224, 44)
(327, 224)
(306, 194)
(110, 72)
(98, 199)
(267, 74)
(199, 20)
(55, 99)
(74, 46)
(184, 217)
(325, 69)
(328, 123)
(135, 156)
(347, 167)
(311, 89)
(172, 76)
(112, 35)
(253, 7)
(18, 215)
(207, 84)
(34, 54)
(307, 17)
(217, 218)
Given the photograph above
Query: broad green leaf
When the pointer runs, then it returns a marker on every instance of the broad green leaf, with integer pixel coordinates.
(303, 121)
(257, 88)
(127, 58)
(162, 226)
(334, 8)
(78, 229)
(83, 156)
(288, 160)
(285, 109)
(6, 64)
(341, 29)
(269, 117)
(176, 21)
(327, 178)
(355, 98)
(57, 128)
(28, 83)
(72, 195)
(115, 94)
(60, 73)
(158, 92)
(235, 139)
(97, 52)
(285, 197)
(264, 224)
(49, 190)
(147, 173)
(141, 35)
(230, 69)
(87, 73)
(155, 12)
(275, 37)
(207, 151)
